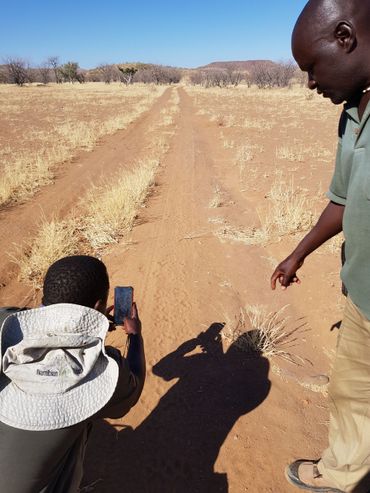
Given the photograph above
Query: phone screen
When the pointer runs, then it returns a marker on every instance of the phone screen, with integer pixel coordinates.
(123, 298)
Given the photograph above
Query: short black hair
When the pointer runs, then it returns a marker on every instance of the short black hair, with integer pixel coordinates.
(79, 279)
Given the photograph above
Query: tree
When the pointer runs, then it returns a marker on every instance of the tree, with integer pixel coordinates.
(235, 76)
(196, 77)
(69, 72)
(127, 74)
(217, 77)
(301, 77)
(44, 73)
(284, 73)
(157, 74)
(266, 75)
(106, 73)
(17, 71)
(261, 75)
(53, 62)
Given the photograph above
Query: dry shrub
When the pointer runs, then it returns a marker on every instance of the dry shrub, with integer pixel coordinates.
(111, 210)
(290, 211)
(260, 332)
(55, 239)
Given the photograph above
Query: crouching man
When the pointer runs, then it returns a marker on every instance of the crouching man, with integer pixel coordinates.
(57, 376)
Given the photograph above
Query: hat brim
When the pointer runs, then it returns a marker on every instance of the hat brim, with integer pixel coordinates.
(42, 412)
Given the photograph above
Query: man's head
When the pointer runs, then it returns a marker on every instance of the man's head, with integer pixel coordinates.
(79, 279)
(331, 42)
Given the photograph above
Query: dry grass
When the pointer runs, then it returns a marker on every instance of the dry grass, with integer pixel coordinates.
(216, 200)
(290, 212)
(244, 155)
(111, 210)
(259, 332)
(228, 144)
(300, 153)
(240, 107)
(22, 177)
(258, 124)
(290, 153)
(168, 114)
(105, 215)
(55, 239)
(248, 236)
(44, 127)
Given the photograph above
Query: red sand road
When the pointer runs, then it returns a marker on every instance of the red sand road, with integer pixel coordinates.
(211, 419)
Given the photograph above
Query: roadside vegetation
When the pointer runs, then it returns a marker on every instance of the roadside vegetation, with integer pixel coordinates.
(53, 125)
(105, 214)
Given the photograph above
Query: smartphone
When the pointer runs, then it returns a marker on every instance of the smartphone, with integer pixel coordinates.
(123, 299)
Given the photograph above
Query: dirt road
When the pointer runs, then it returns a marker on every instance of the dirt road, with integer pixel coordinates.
(210, 418)
(19, 223)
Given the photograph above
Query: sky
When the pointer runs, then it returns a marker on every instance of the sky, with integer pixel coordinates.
(187, 33)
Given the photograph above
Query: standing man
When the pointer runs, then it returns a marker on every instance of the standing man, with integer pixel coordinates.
(331, 42)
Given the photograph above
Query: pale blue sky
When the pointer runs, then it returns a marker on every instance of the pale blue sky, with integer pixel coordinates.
(186, 34)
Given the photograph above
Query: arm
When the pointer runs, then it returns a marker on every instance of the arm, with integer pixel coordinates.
(328, 225)
(135, 354)
(132, 372)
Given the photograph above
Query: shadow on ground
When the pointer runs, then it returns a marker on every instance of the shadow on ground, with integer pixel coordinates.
(175, 448)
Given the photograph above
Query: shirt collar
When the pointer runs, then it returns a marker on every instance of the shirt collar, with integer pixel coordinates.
(352, 111)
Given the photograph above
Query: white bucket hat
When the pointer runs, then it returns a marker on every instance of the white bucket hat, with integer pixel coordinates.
(54, 371)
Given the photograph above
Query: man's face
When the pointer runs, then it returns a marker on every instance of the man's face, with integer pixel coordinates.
(326, 64)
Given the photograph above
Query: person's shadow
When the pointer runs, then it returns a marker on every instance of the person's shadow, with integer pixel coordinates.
(175, 448)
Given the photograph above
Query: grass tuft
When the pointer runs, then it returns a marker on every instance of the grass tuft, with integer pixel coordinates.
(259, 332)
(111, 210)
(290, 211)
(55, 239)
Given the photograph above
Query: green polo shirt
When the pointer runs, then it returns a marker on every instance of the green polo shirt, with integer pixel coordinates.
(351, 187)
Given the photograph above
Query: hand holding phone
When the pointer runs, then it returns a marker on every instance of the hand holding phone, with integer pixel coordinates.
(132, 324)
(123, 300)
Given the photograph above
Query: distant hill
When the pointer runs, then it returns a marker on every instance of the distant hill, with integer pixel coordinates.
(238, 65)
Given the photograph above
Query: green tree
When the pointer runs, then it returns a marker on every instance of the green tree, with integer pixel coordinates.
(69, 72)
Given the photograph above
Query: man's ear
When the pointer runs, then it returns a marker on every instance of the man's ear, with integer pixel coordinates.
(345, 34)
